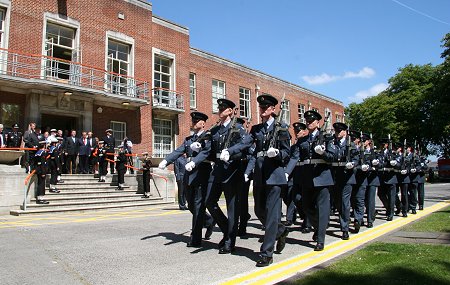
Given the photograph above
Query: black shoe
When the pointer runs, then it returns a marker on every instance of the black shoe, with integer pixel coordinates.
(413, 211)
(314, 237)
(193, 244)
(281, 243)
(209, 232)
(287, 223)
(357, 226)
(226, 250)
(242, 233)
(389, 218)
(421, 208)
(145, 196)
(183, 208)
(42, 202)
(404, 215)
(261, 239)
(369, 225)
(119, 188)
(60, 181)
(306, 230)
(54, 191)
(264, 261)
(319, 246)
(221, 243)
(345, 236)
(397, 212)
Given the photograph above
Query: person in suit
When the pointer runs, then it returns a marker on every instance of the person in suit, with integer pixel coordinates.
(84, 151)
(196, 148)
(102, 162)
(92, 161)
(179, 169)
(229, 140)
(121, 160)
(71, 152)
(110, 144)
(316, 152)
(31, 140)
(146, 165)
(14, 137)
(268, 161)
(53, 165)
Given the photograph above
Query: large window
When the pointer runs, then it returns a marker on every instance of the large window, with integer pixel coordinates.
(59, 44)
(301, 113)
(218, 91)
(286, 112)
(192, 91)
(119, 131)
(162, 140)
(118, 66)
(338, 118)
(327, 114)
(162, 81)
(244, 102)
(10, 114)
(2, 27)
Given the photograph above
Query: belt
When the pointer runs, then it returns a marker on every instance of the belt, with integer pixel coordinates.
(299, 163)
(261, 153)
(341, 163)
(314, 161)
(190, 158)
(390, 170)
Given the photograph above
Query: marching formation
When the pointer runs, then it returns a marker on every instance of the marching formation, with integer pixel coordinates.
(319, 175)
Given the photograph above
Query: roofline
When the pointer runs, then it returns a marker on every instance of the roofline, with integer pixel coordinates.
(170, 25)
(141, 3)
(258, 73)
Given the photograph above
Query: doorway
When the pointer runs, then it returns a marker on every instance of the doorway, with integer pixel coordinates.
(63, 123)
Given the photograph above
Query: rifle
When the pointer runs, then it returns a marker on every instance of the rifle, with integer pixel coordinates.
(361, 149)
(389, 147)
(372, 150)
(231, 130)
(278, 127)
(322, 130)
(348, 145)
(404, 155)
(207, 133)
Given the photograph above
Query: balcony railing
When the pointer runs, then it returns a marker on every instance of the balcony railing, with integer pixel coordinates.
(168, 99)
(41, 67)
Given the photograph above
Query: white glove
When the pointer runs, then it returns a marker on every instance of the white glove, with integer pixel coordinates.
(422, 164)
(162, 164)
(404, 171)
(319, 149)
(375, 162)
(225, 155)
(349, 165)
(246, 179)
(413, 170)
(393, 162)
(189, 166)
(196, 146)
(287, 176)
(272, 152)
(364, 167)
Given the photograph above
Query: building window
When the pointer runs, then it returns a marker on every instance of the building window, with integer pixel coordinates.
(218, 91)
(244, 102)
(329, 118)
(162, 82)
(10, 114)
(301, 113)
(192, 91)
(286, 112)
(338, 118)
(118, 66)
(162, 137)
(119, 131)
(2, 27)
(59, 44)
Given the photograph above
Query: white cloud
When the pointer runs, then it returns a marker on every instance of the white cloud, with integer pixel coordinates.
(366, 72)
(372, 91)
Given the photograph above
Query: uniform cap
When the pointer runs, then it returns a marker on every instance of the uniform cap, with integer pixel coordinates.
(311, 114)
(266, 100)
(109, 130)
(225, 103)
(15, 126)
(197, 116)
(145, 153)
(102, 142)
(338, 126)
(53, 131)
(298, 126)
(365, 137)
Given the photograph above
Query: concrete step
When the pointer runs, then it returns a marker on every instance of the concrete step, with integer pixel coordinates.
(93, 202)
(99, 186)
(86, 192)
(34, 211)
(100, 197)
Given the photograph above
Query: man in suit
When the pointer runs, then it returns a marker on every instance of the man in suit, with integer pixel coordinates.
(92, 142)
(31, 140)
(71, 151)
(196, 148)
(84, 151)
(110, 144)
(271, 140)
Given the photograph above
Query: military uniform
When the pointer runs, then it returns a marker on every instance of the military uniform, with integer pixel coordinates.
(421, 182)
(403, 181)
(414, 178)
(41, 167)
(110, 144)
(179, 169)
(121, 160)
(146, 165)
(14, 137)
(53, 164)
(373, 182)
(102, 162)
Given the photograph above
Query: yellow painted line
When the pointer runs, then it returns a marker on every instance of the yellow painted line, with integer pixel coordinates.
(285, 269)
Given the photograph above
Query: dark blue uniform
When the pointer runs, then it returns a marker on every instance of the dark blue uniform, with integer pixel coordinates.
(388, 178)
(179, 169)
(403, 181)
(359, 189)
(373, 182)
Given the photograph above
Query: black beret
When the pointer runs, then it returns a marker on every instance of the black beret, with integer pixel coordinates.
(267, 100)
(199, 116)
(298, 126)
(340, 126)
(225, 103)
(311, 114)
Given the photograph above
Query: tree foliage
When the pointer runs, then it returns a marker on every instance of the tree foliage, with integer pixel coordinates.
(415, 106)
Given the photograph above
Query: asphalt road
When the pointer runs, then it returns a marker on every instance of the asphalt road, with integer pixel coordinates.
(148, 246)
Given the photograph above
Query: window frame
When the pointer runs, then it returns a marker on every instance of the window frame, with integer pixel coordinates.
(216, 95)
(301, 115)
(115, 131)
(159, 151)
(245, 110)
(193, 90)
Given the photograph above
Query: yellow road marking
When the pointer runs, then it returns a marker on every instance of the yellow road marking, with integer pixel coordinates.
(292, 266)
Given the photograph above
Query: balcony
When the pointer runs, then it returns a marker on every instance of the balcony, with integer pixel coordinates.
(167, 100)
(54, 74)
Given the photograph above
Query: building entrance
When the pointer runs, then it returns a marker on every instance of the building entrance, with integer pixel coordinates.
(64, 123)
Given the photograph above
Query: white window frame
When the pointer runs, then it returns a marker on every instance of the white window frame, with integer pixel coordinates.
(330, 118)
(4, 40)
(301, 109)
(216, 94)
(192, 90)
(287, 112)
(118, 135)
(338, 117)
(158, 147)
(245, 103)
(168, 97)
(117, 83)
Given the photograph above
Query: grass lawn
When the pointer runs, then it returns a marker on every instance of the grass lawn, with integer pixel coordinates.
(438, 221)
(385, 263)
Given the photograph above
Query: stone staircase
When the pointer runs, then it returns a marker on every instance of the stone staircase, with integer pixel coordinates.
(83, 192)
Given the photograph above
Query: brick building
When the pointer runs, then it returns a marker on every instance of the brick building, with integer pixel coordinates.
(93, 65)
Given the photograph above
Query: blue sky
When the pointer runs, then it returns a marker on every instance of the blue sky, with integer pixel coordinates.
(344, 49)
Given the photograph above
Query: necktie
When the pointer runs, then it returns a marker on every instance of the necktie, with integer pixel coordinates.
(194, 138)
(84, 141)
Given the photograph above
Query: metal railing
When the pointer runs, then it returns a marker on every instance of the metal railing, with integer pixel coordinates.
(166, 98)
(41, 67)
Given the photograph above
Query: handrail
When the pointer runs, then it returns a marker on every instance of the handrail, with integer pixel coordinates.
(18, 148)
(25, 192)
